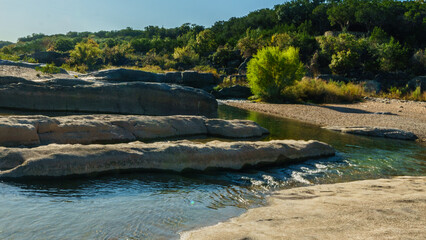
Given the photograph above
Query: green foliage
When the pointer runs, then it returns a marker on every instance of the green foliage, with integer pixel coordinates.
(393, 56)
(343, 62)
(418, 62)
(379, 36)
(320, 91)
(205, 43)
(223, 55)
(186, 55)
(206, 69)
(9, 57)
(64, 45)
(116, 55)
(342, 13)
(49, 69)
(293, 23)
(86, 53)
(271, 70)
(142, 45)
(252, 42)
(5, 43)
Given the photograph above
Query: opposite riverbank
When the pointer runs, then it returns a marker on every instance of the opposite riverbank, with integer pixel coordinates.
(371, 209)
(373, 112)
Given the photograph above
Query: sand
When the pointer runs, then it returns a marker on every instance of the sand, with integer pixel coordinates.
(373, 112)
(370, 209)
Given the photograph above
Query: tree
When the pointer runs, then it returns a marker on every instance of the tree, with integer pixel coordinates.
(86, 53)
(271, 70)
(343, 13)
(205, 43)
(64, 45)
(249, 44)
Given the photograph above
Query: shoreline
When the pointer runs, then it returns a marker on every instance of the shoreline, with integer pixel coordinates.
(373, 112)
(368, 209)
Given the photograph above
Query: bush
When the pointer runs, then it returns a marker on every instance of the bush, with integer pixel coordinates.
(271, 70)
(86, 53)
(393, 56)
(344, 62)
(186, 55)
(64, 45)
(320, 91)
(49, 69)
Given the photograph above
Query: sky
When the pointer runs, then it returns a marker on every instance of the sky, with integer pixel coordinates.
(19, 18)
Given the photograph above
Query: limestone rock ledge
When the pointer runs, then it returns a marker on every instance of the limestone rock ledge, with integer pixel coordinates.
(376, 132)
(89, 129)
(77, 95)
(64, 160)
(371, 209)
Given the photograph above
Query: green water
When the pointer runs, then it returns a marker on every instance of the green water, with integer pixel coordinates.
(160, 205)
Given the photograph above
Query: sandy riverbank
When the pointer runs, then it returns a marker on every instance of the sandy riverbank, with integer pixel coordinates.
(405, 115)
(370, 209)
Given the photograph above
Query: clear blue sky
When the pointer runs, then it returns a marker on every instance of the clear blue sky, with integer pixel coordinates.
(19, 18)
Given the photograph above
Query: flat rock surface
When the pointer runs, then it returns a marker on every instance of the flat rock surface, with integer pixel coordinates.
(405, 115)
(77, 95)
(372, 209)
(376, 132)
(89, 129)
(64, 160)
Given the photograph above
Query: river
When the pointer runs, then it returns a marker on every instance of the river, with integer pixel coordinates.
(148, 205)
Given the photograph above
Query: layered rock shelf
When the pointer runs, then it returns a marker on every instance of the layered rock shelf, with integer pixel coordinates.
(78, 95)
(376, 132)
(89, 129)
(67, 160)
(205, 81)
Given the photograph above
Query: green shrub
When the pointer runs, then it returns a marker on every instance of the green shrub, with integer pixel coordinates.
(9, 57)
(343, 62)
(49, 69)
(271, 70)
(393, 56)
(64, 44)
(86, 53)
(186, 55)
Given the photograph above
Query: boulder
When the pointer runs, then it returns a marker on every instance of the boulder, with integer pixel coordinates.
(50, 57)
(68, 160)
(419, 81)
(377, 132)
(125, 75)
(188, 78)
(392, 79)
(236, 91)
(77, 95)
(335, 78)
(372, 86)
(90, 129)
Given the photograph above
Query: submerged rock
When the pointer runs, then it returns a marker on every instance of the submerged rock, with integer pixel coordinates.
(89, 129)
(377, 132)
(66, 160)
(76, 95)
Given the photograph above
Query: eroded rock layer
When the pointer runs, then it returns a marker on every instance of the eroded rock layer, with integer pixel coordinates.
(89, 129)
(77, 95)
(64, 160)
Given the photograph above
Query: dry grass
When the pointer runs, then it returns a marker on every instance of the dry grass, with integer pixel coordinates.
(320, 91)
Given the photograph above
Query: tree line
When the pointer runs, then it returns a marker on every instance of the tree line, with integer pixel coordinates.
(345, 37)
